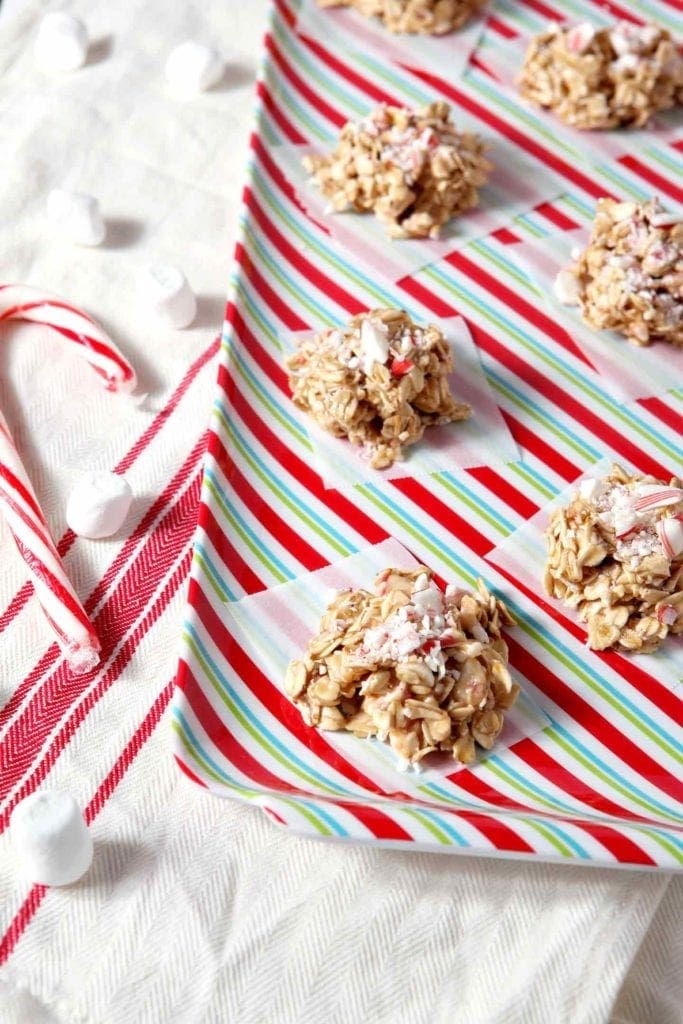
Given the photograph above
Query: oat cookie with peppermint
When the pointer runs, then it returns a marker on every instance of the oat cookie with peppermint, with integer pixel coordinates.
(615, 554)
(599, 78)
(412, 168)
(416, 667)
(379, 382)
(426, 17)
(629, 278)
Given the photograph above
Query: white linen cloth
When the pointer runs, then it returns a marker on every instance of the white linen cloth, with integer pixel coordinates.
(197, 909)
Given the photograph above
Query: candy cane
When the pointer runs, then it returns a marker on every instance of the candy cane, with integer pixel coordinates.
(18, 501)
(19, 302)
(649, 496)
(670, 533)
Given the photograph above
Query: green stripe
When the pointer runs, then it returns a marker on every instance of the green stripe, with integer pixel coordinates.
(284, 498)
(607, 779)
(440, 836)
(258, 737)
(258, 552)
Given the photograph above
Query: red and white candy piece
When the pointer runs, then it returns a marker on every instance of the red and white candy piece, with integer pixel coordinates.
(649, 496)
(579, 37)
(18, 501)
(667, 614)
(670, 533)
(21, 302)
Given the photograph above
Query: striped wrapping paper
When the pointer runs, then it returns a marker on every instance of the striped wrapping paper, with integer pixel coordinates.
(601, 783)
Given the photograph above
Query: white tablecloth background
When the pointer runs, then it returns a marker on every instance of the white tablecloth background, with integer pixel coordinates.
(197, 909)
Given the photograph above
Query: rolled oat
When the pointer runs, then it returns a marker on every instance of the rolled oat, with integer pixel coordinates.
(615, 554)
(379, 382)
(596, 78)
(412, 169)
(630, 277)
(426, 17)
(409, 664)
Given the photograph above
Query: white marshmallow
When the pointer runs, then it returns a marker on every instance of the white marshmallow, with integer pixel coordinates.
(61, 43)
(98, 504)
(374, 340)
(51, 839)
(192, 68)
(76, 217)
(566, 288)
(168, 292)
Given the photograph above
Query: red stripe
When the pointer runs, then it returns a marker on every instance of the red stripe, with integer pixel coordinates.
(371, 89)
(497, 832)
(225, 741)
(446, 517)
(37, 526)
(593, 722)
(532, 314)
(274, 112)
(506, 128)
(16, 312)
(114, 570)
(648, 686)
(557, 217)
(540, 760)
(660, 183)
(622, 847)
(268, 519)
(548, 769)
(337, 503)
(272, 699)
(504, 490)
(18, 485)
(29, 730)
(313, 98)
(499, 26)
(190, 774)
(150, 613)
(297, 260)
(21, 920)
(87, 342)
(377, 822)
(544, 452)
(664, 412)
(62, 592)
(290, 319)
(66, 542)
(35, 897)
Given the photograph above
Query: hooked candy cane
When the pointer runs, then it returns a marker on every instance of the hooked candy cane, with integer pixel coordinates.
(18, 501)
(21, 302)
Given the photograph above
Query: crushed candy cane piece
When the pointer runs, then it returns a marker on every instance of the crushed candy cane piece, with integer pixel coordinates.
(670, 533)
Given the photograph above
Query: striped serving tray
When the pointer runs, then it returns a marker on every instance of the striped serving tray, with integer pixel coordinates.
(600, 781)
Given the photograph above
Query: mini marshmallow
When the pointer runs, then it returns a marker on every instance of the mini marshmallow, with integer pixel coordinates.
(61, 43)
(192, 68)
(98, 505)
(566, 288)
(374, 340)
(51, 838)
(76, 217)
(168, 292)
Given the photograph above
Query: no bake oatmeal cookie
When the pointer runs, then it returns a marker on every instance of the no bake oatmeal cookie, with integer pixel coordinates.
(615, 553)
(412, 168)
(629, 279)
(426, 17)
(379, 382)
(422, 669)
(597, 78)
